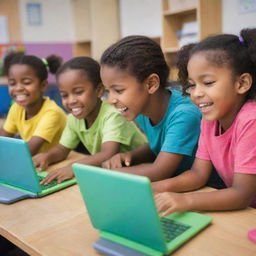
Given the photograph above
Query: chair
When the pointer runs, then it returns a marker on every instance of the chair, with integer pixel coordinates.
(5, 100)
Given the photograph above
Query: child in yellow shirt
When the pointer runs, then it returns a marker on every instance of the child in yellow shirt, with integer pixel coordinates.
(37, 119)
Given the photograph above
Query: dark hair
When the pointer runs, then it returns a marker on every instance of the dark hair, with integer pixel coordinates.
(239, 53)
(40, 66)
(87, 65)
(139, 55)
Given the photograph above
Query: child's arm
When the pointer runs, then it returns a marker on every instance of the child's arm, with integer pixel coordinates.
(108, 149)
(187, 181)
(139, 155)
(5, 133)
(35, 144)
(162, 168)
(54, 155)
(239, 196)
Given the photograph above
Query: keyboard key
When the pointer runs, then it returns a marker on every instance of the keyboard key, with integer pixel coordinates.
(172, 228)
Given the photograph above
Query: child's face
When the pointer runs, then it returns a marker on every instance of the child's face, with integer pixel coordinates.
(128, 95)
(25, 87)
(213, 89)
(78, 94)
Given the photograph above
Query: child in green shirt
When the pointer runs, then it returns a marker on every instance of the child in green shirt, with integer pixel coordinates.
(95, 123)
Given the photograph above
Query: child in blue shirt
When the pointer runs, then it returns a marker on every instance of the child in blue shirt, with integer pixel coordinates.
(135, 73)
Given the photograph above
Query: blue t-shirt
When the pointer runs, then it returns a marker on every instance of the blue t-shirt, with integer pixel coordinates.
(177, 132)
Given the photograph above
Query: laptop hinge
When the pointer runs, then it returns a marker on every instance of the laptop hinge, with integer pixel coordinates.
(131, 244)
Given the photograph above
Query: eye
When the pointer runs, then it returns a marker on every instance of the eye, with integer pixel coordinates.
(26, 82)
(209, 83)
(190, 88)
(63, 96)
(79, 92)
(119, 91)
(11, 83)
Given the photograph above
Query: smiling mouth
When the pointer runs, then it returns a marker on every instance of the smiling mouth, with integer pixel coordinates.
(122, 110)
(76, 111)
(203, 105)
(20, 97)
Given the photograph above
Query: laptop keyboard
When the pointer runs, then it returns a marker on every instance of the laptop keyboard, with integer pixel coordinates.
(51, 184)
(172, 228)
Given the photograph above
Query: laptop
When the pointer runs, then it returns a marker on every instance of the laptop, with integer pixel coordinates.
(121, 206)
(18, 176)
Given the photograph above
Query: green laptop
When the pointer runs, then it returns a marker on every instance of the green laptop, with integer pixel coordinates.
(121, 206)
(18, 176)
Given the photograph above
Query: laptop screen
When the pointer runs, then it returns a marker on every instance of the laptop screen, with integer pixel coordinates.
(121, 204)
(17, 167)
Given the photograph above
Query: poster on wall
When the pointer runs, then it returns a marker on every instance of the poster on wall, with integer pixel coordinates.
(5, 49)
(34, 14)
(246, 6)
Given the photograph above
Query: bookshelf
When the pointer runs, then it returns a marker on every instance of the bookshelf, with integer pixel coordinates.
(204, 16)
(96, 25)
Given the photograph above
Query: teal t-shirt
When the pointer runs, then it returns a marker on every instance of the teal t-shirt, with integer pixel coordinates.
(178, 131)
(108, 126)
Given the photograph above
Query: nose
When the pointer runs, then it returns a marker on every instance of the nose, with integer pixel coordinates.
(111, 100)
(197, 91)
(19, 87)
(72, 99)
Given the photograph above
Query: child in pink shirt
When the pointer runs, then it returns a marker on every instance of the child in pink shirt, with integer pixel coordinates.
(219, 73)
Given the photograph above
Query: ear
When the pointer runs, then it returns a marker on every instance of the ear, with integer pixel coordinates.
(100, 90)
(153, 83)
(244, 83)
(44, 85)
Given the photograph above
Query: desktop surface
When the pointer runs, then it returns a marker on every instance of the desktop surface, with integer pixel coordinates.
(59, 225)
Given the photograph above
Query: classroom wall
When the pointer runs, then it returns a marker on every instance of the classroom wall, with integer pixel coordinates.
(57, 22)
(142, 17)
(43, 50)
(232, 17)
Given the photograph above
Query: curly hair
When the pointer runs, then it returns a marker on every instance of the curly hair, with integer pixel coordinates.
(138, 55)
(236, 52)
(88, 66)
(40, 67)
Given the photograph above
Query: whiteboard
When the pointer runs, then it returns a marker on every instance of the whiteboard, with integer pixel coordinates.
(4, 35)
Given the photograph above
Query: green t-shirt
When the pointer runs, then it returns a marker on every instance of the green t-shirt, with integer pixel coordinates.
(108, 126)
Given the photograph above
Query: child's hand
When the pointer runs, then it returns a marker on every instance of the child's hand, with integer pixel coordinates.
(169, 202)
(59, 174)
(117, 161)
(41, 161)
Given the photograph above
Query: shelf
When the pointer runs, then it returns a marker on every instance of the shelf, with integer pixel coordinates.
(187, 21)
(189, 10)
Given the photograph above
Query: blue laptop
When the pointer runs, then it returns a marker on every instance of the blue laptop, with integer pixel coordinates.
(121, 206)
(18, 176)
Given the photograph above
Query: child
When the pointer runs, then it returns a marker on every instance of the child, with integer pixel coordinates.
(135, 73)
(37, 119)
(102, 130)
(219, 74)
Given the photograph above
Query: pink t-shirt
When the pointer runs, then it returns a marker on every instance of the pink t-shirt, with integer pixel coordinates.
(234, 151)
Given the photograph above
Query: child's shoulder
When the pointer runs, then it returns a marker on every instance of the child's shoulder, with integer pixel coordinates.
(183, 104)
(248, 111)
(107, 110)
(246, 118)
(50, 104)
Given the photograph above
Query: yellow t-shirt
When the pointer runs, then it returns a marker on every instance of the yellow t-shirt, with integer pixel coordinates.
(47, 124)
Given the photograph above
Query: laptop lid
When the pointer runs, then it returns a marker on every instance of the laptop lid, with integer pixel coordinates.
(122, 207)
(18, 172)
(17, 168)
(120, 204)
